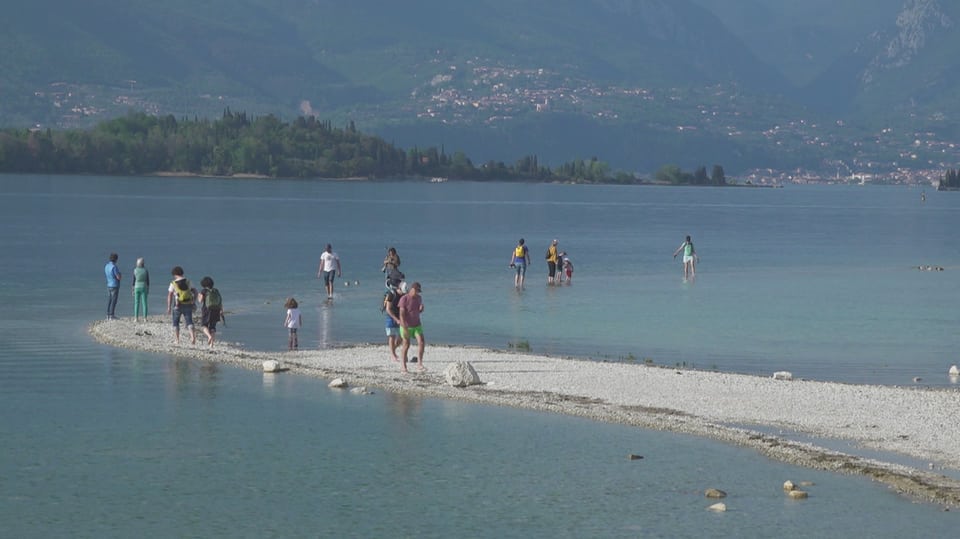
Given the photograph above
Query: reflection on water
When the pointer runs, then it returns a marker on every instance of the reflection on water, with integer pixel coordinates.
(185, 375)
(269, 383)
(404, 407)
(324, 316)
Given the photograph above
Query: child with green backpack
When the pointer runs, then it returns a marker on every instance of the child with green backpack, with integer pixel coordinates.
(211, 309)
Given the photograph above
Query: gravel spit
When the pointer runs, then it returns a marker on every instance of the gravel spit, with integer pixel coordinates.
(744, 410)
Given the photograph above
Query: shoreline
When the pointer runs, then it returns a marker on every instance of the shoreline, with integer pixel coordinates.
(913, 422)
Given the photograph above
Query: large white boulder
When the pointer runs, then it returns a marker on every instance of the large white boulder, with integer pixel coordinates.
(271, 365)
(337, 383)
(954, 370)
(461, 374)
(783, 375)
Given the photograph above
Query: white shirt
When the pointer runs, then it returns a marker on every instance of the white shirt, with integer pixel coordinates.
(329, 261)
(293, 318)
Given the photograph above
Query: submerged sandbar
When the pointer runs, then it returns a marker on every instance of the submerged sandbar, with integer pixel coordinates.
(915, 422)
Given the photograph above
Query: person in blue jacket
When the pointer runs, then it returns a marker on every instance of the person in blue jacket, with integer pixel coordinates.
(112, 273)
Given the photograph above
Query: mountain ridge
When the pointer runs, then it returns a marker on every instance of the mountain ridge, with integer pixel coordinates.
(556, 77)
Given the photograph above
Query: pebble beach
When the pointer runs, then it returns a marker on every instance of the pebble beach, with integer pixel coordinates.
(793, 421)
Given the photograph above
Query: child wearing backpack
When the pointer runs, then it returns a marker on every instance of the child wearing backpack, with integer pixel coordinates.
(180, 297)
(211, 309)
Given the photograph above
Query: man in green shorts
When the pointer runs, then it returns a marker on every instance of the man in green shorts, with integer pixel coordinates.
(411, 305)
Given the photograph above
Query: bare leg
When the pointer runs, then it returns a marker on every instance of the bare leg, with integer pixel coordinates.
(176, 334)
(420, 345)
(403, 354)
(393, 342)
(209, 335)
(193, 334)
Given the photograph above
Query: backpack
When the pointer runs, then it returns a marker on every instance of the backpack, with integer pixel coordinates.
(183, 291)
(394, 298)
(212, 299)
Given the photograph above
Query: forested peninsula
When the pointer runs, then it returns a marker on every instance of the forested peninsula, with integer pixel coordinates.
(239, 145)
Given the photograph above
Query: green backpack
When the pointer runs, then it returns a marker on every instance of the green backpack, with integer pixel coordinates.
(212, 299)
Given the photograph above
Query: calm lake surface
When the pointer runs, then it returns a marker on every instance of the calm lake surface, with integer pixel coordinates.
(101, 442)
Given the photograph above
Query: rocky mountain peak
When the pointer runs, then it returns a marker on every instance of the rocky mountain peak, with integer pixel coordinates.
(915, 23)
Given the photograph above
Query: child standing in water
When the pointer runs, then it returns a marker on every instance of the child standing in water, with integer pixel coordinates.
(567, 267)
(292, 322)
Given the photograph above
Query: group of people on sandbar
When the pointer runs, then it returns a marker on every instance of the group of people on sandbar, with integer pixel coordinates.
(182, 299)
(402, 306)
(402, 303)
(559, 264)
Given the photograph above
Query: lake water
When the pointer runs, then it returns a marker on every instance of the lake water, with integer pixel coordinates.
(102, 442)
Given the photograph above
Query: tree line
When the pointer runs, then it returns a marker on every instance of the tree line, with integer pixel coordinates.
(950, 180)
(236, 143)
(672, 174)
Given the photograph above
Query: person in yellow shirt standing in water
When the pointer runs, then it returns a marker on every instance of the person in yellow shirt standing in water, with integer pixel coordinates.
(552, 263)
(519, 261)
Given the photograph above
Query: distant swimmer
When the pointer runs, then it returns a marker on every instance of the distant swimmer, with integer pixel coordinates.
(690, 258)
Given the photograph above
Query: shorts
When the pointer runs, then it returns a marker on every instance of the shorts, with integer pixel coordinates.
(687, 258)
(391, 323)
(521, 268)
(209, 319)
(411, 332)
(183, 310)
(293, 331)
(328, 276)
(552, 268)
(393, 331)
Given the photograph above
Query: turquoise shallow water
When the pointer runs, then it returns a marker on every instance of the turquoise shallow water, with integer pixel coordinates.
(107, 442)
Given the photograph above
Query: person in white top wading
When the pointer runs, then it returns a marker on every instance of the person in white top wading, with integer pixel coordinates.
(329, 268)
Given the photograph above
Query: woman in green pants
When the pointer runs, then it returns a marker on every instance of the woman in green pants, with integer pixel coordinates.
(141, 287)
